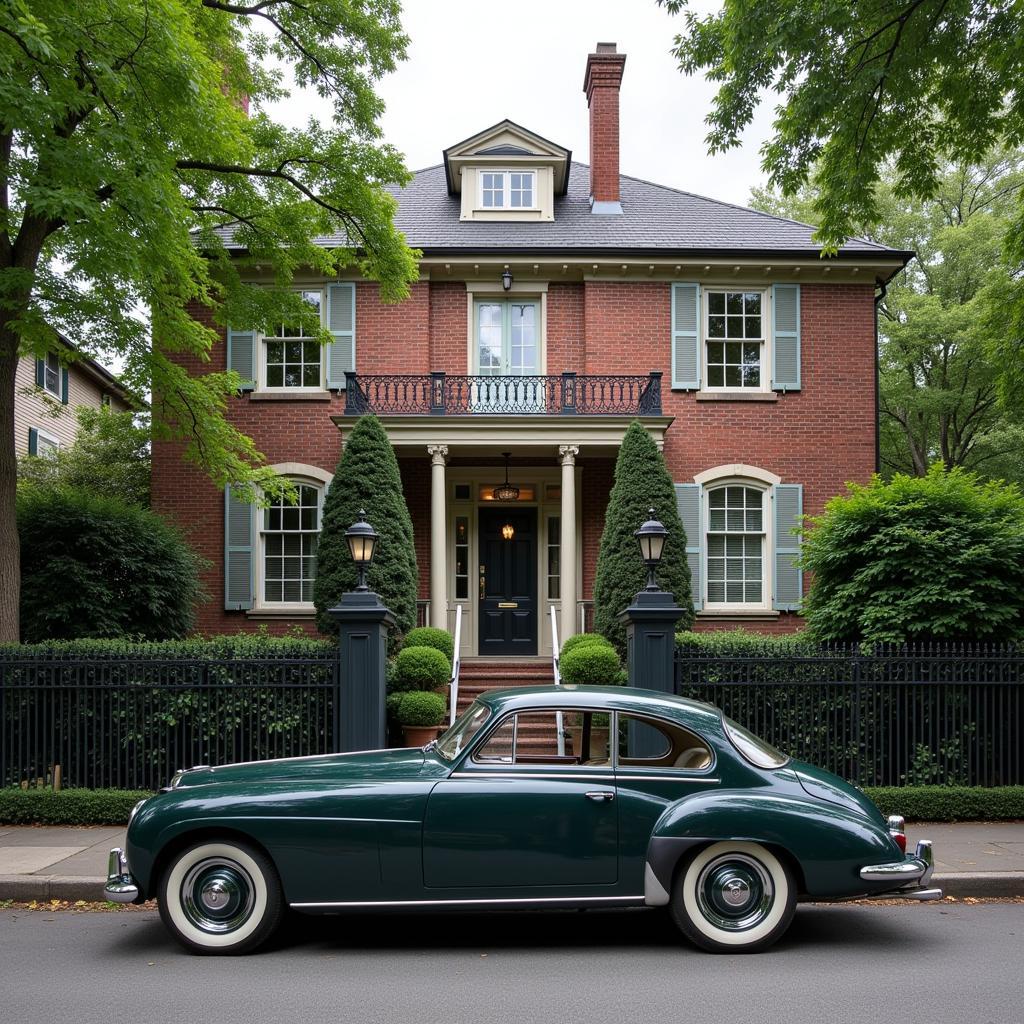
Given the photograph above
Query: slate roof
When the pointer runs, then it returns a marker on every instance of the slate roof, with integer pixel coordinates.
(656, 221)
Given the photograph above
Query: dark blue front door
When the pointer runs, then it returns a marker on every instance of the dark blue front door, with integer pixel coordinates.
(508, 581)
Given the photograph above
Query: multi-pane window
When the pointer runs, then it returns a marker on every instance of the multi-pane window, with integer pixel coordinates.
(492, 186)
(554, 558)
(507, 189)
(461, 558)
(290, 532)
(46, 445)
(735, 545)
(293, 355)
(734, 339)
(51, 374)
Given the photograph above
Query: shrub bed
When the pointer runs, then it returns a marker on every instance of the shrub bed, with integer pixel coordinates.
(950, 803)
(68, 807)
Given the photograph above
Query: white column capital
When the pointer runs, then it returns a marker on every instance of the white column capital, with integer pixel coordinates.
(438, 454)
(567, 453)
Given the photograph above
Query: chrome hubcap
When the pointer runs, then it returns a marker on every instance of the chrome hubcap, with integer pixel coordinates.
(217, 896)
(735, 892)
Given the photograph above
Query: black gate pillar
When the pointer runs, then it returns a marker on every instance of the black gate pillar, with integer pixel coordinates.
(359, 718)
(651, 640)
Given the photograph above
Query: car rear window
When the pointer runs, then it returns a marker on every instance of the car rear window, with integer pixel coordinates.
(757, 751)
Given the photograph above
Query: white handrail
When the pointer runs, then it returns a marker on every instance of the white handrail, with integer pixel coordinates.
(453, 696)
(555, 651)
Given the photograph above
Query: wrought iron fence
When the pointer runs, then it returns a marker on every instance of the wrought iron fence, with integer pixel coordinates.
(131, 722)
(880, 716)
(442, 394)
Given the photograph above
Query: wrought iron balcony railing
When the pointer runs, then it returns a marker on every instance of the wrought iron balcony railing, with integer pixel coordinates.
(442, 394)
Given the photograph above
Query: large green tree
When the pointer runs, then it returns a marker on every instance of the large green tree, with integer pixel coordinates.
(642, 482)
(943, 320)
(125, 143)
(367, 480)
(914, 85)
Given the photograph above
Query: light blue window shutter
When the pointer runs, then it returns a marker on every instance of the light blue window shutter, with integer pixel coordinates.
(242, 356)
(341, 322)
(785, 337)
(789, 578)
(64, 385)
(33, 441)
(239, 553)
(686, 336)
(688, 502)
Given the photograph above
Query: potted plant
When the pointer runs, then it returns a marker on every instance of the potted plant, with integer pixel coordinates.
(419, 713)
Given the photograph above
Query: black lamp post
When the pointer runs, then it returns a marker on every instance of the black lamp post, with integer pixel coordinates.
(651, 538)
(362, 541)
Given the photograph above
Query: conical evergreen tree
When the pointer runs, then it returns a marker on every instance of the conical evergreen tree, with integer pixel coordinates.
(642, 482)
(367, 478)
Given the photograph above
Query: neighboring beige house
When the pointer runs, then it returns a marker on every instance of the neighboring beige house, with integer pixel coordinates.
(49, 391)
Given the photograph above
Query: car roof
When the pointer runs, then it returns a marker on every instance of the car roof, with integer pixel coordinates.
(617, 698)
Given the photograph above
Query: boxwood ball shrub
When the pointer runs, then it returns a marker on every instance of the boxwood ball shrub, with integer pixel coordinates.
(421, 668)
(583, 638)
(419, 707)
(596, 664)
(429, 636)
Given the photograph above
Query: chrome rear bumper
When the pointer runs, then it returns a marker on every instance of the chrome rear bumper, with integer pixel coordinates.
(120, 887)
(909, 876)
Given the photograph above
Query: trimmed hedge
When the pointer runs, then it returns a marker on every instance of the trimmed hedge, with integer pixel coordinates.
(591, 664)
(429, 636)
(215, 648)
(739, 643)
(583, 638)
(419, 707)
(68, 807)
(421, 668)
(950, 803)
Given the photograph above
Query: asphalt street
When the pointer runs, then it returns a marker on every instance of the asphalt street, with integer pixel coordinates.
(936, 963)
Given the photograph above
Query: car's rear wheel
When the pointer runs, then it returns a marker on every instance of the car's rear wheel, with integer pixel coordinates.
(733, 897)
(220, 897)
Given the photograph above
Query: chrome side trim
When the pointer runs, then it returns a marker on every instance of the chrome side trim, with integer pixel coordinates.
(655, 894)
(120, 887)
(519, 900)
(525, 773)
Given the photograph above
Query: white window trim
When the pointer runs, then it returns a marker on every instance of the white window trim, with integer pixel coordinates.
(50, 439)
(53, 393)
(506, 188)
(299, 473)
(763, 482)
(261, 355)
(765, 342)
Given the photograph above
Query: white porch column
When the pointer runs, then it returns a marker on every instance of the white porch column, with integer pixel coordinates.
(438, 532)
(567, 627)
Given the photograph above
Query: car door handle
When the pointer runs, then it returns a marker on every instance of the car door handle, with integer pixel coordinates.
(600, 795)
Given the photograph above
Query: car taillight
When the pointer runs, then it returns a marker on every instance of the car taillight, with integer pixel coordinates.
(898, 831)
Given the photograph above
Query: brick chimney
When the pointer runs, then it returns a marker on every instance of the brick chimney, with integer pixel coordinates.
(601, 84)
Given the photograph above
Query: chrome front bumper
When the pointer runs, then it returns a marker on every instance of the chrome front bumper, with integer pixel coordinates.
(120, 887)
(909, 876)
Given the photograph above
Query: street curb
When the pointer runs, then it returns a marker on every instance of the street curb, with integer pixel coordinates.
(25, 888)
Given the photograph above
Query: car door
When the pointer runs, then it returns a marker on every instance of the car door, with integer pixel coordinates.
(533, 806)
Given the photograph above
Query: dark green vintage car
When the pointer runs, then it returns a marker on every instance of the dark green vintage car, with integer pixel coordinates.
(536, 797)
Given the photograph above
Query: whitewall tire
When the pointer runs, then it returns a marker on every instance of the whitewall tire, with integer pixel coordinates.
(220, 897)
(733, 897)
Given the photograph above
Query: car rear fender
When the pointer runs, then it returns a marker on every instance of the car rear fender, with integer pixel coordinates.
(828, 844)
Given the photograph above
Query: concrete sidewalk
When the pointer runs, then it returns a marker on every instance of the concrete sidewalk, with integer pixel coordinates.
(71, 863)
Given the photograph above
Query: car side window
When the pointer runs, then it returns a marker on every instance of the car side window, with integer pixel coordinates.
(557, 738)
(649, 744)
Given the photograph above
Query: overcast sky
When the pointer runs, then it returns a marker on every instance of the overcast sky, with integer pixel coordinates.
(472, 63)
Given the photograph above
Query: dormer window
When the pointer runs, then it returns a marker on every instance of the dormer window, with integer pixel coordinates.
(507, 190)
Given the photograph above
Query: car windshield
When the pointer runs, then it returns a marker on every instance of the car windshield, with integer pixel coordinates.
(461, 734)
(753, 749)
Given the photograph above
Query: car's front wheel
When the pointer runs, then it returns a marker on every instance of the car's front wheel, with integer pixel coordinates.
(733, 897)
(220, 897)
